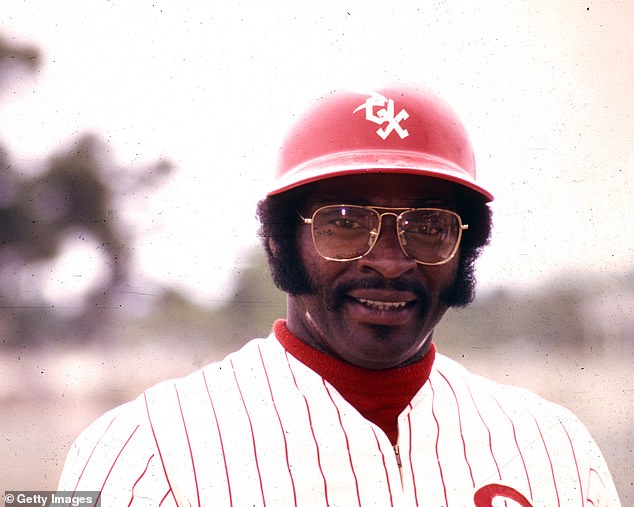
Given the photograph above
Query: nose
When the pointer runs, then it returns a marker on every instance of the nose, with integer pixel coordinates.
(387, 257)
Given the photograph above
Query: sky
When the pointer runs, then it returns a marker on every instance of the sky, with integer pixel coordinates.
(544, 88)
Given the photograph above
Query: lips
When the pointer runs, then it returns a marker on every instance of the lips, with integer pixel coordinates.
(386, 307)
(376, 299)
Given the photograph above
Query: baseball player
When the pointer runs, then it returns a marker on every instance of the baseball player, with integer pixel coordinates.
(372, 228)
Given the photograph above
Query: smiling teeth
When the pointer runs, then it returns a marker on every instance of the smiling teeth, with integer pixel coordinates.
(383, 305)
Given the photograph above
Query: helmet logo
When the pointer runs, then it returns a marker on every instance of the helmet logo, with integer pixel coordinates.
(384, 115)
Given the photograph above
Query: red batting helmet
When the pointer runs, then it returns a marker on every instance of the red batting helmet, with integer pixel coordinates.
(392, 131)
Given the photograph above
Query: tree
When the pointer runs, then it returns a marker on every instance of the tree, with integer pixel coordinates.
(16, 59)
(78, 191)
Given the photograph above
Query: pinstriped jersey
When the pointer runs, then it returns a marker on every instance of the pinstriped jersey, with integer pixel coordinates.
(261, 428)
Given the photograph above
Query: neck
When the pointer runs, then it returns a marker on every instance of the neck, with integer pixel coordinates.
(379, 395)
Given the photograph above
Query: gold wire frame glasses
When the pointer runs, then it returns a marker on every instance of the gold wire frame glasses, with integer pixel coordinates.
(347, 232)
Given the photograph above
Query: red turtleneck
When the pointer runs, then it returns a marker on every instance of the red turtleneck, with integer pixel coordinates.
(379, 395)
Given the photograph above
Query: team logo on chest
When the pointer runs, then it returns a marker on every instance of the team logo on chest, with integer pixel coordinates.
(487, 495)
(384, 114)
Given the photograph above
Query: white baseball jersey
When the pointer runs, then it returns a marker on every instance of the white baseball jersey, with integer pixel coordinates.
(261, 428)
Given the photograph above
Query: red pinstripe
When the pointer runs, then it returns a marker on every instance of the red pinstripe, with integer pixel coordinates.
(147, 410)
(497, 466)
(442, 477)
(387, 476)
(114, 463)
(356, 482)
(550, 461)
(255, 451)
(189, 445)
(409, 423)
(165, 496)
(574, 456)
(92, 452)
(222, 447)
(597, 475)
(310, 422)
(464, 444)
(140, 477)
(288, 464)
(517, 445)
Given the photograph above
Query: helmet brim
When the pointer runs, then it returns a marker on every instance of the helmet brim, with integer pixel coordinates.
(377, 162)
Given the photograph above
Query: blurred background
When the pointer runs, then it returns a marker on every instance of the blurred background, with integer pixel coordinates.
(137, 137)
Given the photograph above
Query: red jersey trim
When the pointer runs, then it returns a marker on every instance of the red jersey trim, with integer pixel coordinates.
(379, 395)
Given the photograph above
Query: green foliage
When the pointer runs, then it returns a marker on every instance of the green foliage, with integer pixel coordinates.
(585, 312)
(15, 59)
(75, 192)
(216, 330)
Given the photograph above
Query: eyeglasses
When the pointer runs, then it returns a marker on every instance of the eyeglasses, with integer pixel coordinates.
(347, 232)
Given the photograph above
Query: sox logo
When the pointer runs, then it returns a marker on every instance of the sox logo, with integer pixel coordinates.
(384, 115)
(485, 496)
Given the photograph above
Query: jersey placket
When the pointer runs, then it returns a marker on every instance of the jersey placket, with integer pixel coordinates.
(403, 458)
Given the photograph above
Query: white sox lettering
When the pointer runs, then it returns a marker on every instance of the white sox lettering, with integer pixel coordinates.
(384, 115)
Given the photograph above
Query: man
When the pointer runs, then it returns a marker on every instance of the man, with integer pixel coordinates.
(372, 228)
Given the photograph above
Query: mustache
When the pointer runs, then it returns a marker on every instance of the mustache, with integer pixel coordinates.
(339, 292)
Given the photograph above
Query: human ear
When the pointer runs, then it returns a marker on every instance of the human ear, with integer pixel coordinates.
(274, 247)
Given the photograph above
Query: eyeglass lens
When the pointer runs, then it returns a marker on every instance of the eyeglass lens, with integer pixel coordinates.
(350, 232)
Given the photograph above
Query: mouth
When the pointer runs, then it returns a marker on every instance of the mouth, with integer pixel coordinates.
(377, 307)
(383, 306)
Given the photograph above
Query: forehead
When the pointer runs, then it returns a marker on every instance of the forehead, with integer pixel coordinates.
(398, 191)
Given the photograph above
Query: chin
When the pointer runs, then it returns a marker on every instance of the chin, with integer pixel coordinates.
(385, 349)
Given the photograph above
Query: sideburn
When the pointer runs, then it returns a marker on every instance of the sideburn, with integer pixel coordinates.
(462, 291)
